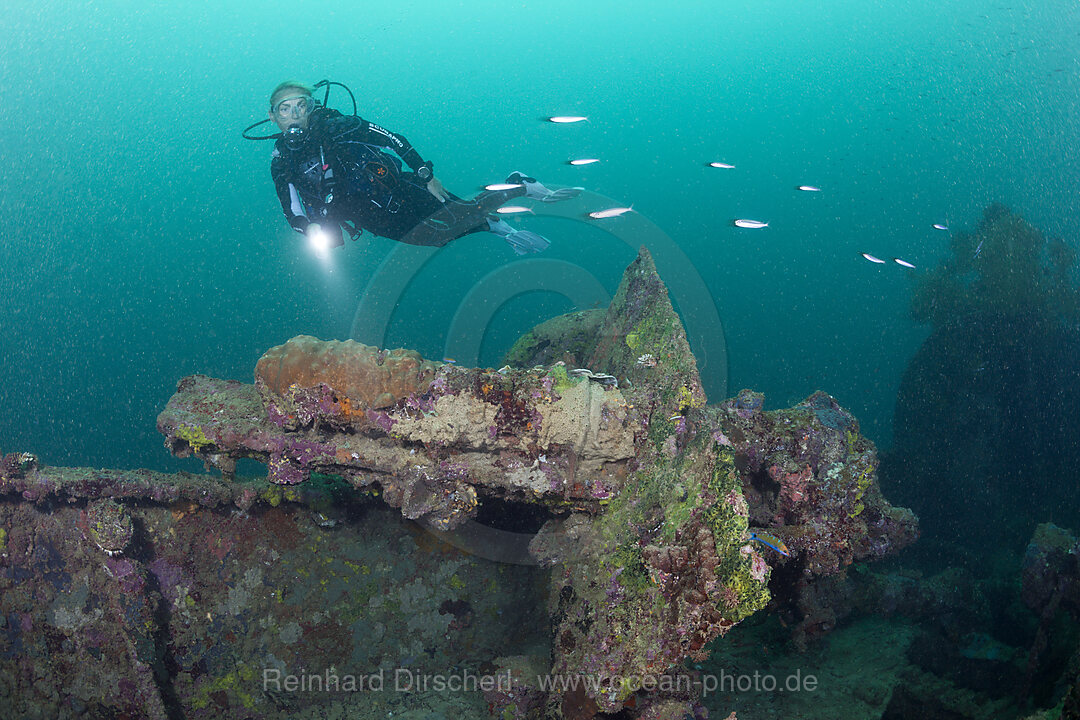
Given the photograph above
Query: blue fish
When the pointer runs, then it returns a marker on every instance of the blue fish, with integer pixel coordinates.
(772, 541)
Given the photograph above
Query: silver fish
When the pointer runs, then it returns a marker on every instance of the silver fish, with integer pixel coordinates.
(809, 188)
(940, 226)
(873, 259)
(903, 263)
(753, 224)
(514, 210)
(584, 161)
(610, 212)
(563, 119)
(722, 165)
(502, 186)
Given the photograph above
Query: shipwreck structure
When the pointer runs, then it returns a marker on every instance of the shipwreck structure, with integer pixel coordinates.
(665, 522)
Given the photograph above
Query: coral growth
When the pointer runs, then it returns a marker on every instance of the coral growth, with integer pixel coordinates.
(207, 598)
(654, 509)
(567, 338)
(109, 526)
(810, 479)
(1051, 570)
(366, 376)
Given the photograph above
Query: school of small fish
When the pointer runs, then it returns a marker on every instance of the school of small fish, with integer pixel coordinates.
(745, 223)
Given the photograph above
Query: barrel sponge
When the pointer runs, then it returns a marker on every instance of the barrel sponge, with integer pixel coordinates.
(369, 377)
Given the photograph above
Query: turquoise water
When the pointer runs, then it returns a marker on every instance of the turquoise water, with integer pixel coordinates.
(143, 240)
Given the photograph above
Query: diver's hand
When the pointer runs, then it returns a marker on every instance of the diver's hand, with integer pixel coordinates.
(435, 188)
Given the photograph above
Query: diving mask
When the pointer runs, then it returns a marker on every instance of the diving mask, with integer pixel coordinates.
(293, 107)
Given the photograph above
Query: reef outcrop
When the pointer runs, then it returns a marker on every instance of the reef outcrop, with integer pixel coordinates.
(666, 520)
(1051, 586)
(985, 426)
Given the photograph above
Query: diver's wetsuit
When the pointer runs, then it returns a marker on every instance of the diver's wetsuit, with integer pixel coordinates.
(341, 172)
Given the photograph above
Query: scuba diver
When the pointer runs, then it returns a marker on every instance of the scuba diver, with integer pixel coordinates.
(333, 175)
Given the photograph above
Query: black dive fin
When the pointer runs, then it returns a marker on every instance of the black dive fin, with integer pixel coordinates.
(457, 217)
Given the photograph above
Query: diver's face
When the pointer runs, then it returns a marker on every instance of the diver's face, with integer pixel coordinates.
(292, 109)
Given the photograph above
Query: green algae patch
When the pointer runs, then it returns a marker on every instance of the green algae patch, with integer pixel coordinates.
(236, 684)
(742, 573)
(194, 436)
(560, 380)
(674, 537)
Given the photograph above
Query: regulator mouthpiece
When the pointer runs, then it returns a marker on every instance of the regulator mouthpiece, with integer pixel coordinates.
(294, 137)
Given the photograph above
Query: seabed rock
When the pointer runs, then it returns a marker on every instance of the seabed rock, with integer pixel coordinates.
(650, 496)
